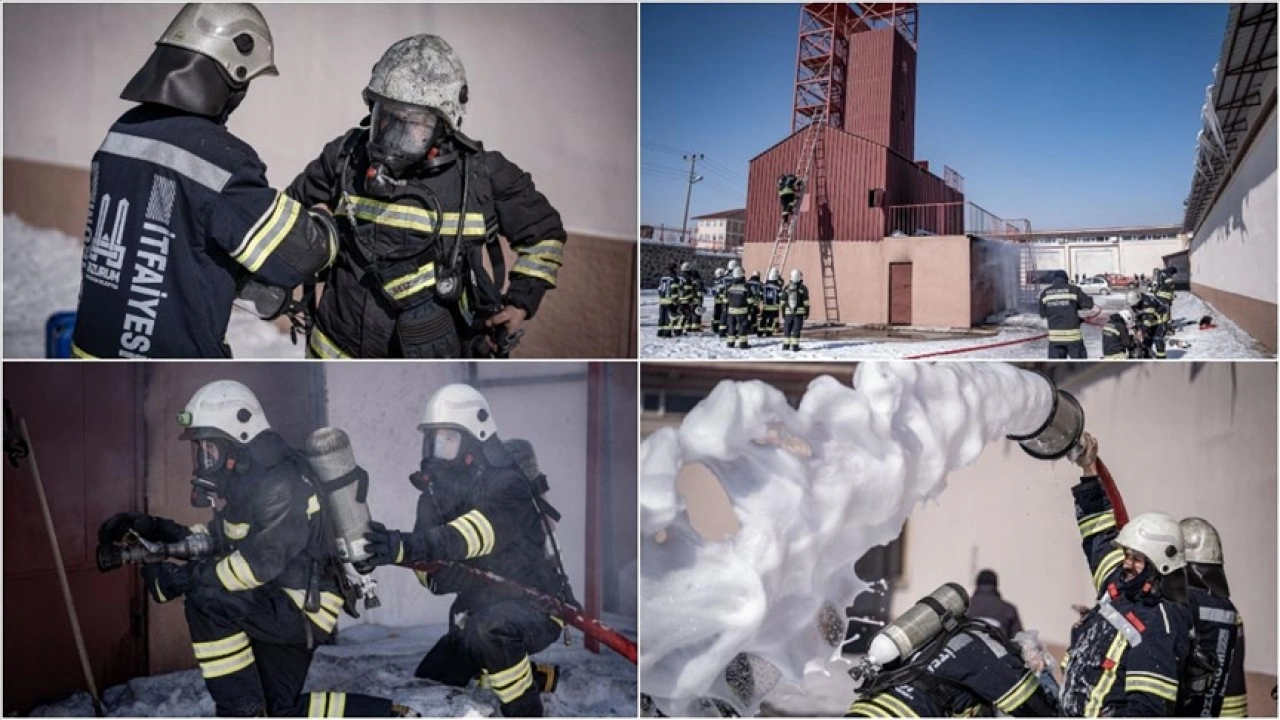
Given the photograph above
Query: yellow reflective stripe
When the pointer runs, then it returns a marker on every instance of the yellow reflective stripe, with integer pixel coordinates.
(1065, 335)
(267, 234)
(327, 704)
(1235, 706)
(862, 708)
(535, 268)
(330, 607)
(1093, 524)
(1018, 694)
(319, 702)
(218, 648)
(1055, 296)
(1111, 330)
(416, 281)
(469, 534)
(411, 217)
(557, 621)
(160, 596)
(892, 703)
(511, 683)
(472, 225)
(313, 505)
(235, 573)
(325, 348)
(423, 579)
(1109, 562)
(1108, 678)
(77, 352)
(232, 663)
(235, 531)
(1116, 356)
(550, 249)
(485, 528)
(1152, 684)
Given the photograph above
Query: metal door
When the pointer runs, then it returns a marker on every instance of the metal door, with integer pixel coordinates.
(899, 293)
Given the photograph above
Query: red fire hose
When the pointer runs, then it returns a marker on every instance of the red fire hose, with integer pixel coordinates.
(592, 627)
(957, 351)
(1113, 494)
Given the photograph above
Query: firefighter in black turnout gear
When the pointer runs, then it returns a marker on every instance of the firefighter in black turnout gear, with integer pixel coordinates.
(181, 217)
(668, 296)
(787, 187)
(1165, 294)
(1219, 628)
(272, 591)
(1148, 316)
(478, 509)
(1060, 306)
(770, 302)
(1129, 652)
(970, 668)
(418, 205)
(757, 292)
(1116, 341)
(795, 310)
(739, 299)
(717, 302)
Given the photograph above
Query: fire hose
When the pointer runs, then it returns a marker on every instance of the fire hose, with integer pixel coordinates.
(592, 627)
(975, 348)
(1113, 494)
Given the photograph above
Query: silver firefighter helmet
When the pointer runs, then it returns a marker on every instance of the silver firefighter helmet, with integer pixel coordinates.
(235, 35)
(422, 70)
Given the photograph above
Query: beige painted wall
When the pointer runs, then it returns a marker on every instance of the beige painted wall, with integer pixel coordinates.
(940, 277)
(1197, 440)
(552, 86)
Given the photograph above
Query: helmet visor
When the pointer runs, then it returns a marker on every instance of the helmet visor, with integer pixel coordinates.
(206, 456)
(402, 131)
(441, 443)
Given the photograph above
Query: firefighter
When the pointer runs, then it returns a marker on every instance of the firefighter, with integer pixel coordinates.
(1165, 293)
(757, 291)
(795, 310)
(1060, 306)
(788, 185)
(717, 303)
(971, 669)
(684, 300)
(1116, 341)
(770, 302)
(181, 217)
(698, 294)
(738, 302)
(1219, 628)
(246, 607)
(1147, 316)
(478, 509)
(668, 294)
(419, 205)
(1129, 651)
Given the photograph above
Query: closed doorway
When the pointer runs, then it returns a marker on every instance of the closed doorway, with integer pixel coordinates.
(899, 293)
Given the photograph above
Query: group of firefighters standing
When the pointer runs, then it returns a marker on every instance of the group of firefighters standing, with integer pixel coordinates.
(1141, 331)
(741, 306)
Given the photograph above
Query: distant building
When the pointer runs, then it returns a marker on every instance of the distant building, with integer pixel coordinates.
(1106, 251)
(721, 231)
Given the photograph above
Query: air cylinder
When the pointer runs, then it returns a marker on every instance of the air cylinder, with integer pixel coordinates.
(914, 628)
(345, 485)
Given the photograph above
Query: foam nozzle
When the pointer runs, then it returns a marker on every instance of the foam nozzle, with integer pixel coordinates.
(1061, 431)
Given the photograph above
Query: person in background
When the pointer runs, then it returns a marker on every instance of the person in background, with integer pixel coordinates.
(986, 604)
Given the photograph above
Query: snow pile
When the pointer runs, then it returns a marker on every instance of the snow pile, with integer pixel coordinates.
(812, 489)
(42, 277)
(380, 661)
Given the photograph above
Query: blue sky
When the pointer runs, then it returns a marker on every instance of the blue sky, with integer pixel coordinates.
(1069, 115)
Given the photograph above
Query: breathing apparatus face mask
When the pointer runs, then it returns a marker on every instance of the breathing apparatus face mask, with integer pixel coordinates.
(209, 469)
(400, 136)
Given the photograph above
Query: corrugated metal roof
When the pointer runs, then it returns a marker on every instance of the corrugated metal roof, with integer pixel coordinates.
(739, 212)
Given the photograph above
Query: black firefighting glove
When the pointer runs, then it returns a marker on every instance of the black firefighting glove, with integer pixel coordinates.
(393, 547)
(154, 529)
(166, 581)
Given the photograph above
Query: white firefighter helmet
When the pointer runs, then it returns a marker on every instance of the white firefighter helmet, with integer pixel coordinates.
(235, 35)
(1133, 297)
(1200, 541)
(462, 407)
(1158, 537)
(223, 408)
(796, 275)
(733, 264)
(686, 266)
(422, 70)
(737, 273)
(774, 273)
(1127, 316)
(719, 273)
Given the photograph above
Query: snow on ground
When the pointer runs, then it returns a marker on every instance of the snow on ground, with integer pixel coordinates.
(42, 276)
(1225, 341)
(380, 661)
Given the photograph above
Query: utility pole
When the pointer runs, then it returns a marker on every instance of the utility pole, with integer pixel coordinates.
(693, 163)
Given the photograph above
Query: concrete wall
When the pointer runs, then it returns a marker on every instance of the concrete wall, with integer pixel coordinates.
(545, 403)
(565, 111)
(940, 278)
(655, 259)
(1233, 254)
(1138, 258)
(1210, 453)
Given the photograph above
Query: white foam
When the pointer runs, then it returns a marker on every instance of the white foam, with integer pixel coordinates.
(812, 489)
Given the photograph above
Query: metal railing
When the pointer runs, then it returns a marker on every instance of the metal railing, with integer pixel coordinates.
(951, 218)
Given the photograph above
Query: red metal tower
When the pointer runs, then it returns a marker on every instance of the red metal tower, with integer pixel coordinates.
(822, 55)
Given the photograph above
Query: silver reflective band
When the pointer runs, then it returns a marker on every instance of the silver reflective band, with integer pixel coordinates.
(165, 155)
(1119, 622)
(1225, 617)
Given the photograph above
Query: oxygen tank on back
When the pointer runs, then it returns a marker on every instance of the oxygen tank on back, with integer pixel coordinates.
(914, 628)
(345, 486)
